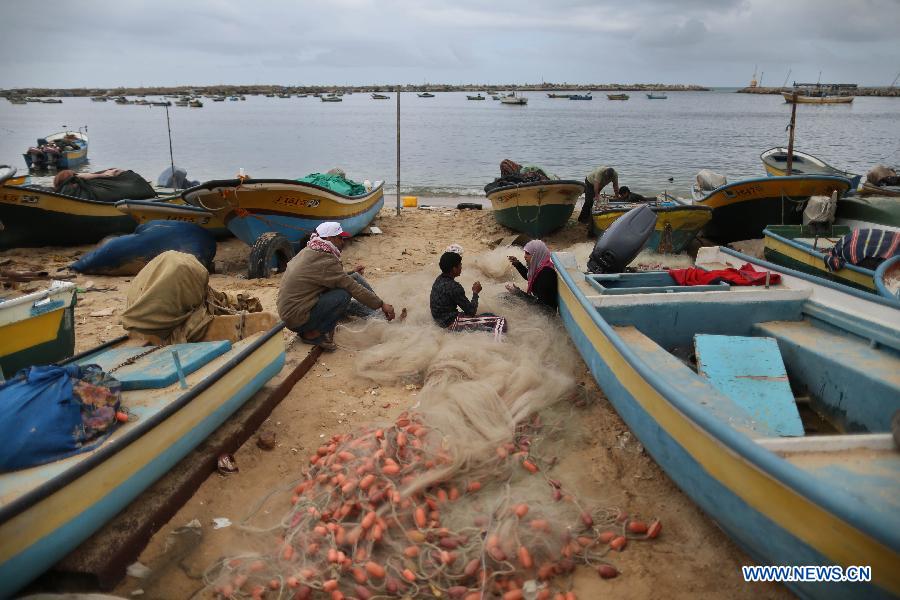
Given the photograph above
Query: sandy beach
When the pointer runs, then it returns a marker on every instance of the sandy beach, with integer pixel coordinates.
(608, 467)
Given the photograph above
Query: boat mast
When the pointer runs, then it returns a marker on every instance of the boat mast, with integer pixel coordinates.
(171, 154)
(398, 150)
(791, 125)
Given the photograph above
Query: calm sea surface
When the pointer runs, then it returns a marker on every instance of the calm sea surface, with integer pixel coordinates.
(454, 146)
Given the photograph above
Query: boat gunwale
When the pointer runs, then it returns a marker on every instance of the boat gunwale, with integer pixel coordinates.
(211, 185)
(813, 159)
(878, 278)
(106, 451)
(53, 194)
(759, 457)
(812, 251)
(720, 189)
(532, 184)
(655, 207)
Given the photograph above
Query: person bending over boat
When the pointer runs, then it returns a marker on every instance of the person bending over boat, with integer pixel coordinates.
(447, 295)
(315, 291)
(538, 271)
(596, 180)
(512, 173)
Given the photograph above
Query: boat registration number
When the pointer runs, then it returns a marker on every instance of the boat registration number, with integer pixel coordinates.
(292, 201)
(21, 198)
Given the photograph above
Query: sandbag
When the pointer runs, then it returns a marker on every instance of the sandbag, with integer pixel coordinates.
(170, 300)
(708, 180)
(127, 185)
(128, 254)
(881, 175)
(50, 412)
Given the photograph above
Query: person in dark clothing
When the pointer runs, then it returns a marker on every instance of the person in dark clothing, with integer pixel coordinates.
(447, 295)
(539, 272)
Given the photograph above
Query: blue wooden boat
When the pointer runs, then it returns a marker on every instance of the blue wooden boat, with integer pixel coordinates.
(48, 510)
(581, 97)
(887, 279)
(660, 96)
(63, 150)
(789, 488)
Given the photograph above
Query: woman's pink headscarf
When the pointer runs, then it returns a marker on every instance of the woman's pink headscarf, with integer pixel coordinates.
(540, 260)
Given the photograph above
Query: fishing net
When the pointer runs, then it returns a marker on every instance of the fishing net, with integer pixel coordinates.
(459, 497)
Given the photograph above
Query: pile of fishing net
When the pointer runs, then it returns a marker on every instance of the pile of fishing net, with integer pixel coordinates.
(458, 497)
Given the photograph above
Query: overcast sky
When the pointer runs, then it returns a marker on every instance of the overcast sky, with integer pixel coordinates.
(108, 43)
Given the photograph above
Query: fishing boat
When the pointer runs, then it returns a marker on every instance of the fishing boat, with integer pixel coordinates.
(797, 247)
(820, 93)
(173, 209)
(659, 96)
(775, 162)
(62, 150)
(51, 101)
(559, 95)
(676, 224)
(17, 101)
(331, 99)
(535, 208)
(46, 511)
(887, 279)
(36, 216)
(514, 100)
(478, 97)
(869, 212)
(380, 97)
(274, 216)
(581, 97)
(37, 328)
(741, 210)
(195, 103)
(425, 95)
(617, 96)
(99, 99)
(706, 376)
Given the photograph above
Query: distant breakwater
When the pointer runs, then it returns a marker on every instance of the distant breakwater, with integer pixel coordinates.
(862, 91)
(229, 90)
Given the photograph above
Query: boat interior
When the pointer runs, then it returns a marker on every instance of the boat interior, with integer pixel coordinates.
(812, 383)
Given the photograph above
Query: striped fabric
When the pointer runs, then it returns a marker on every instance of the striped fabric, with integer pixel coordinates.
(860, 244)
(483, 322)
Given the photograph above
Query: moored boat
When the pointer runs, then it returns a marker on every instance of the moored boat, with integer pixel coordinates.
(478, 97)
(581, 97)
(887, 279)
(46, 511)
(676, 224)
(551, 95)
(775, 162)
(657, 96)
(617, 96)
(791, 488)
(37, 328)
(331, 99)
(741, 210)
(173, 209)
(799, 248)
(425, 95)
(379, 97)
(535, 208)
(514, 100)
(869, 212)
(62, 150)
(820, 93)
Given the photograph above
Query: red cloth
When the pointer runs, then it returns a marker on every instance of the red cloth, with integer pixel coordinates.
(746, 275)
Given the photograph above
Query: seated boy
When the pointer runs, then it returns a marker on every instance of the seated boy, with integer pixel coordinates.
(447, 294)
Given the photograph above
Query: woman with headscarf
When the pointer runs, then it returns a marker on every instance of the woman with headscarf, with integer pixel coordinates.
(538, 271)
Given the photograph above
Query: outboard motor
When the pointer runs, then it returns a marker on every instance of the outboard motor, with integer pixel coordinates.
(178, 180)
(623, 241)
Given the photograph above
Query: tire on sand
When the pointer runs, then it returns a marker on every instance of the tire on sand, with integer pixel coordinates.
(271, 251)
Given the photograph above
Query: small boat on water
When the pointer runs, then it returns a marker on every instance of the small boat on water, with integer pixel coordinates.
(797, 247)
(769, 406)
(274, 216)
(581, 97)
(195, 103)
(657, 96)
(51, 101)
(331, 99)
(559, 95)
(676, 224)
(380, 97)
(46, 511)
(887, 279)
(775, 162)
(820, 93)
(99, 99)
(62, 150)
(478, 97)
(535, 208)
(17, 101)
(869, 212)
(425, 95)
(513, 99)
(741, 210)
(37, 328)
(617, 96)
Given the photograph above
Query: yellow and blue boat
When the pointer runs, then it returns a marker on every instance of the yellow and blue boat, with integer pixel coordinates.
(37, 328)
(63, 150)
(173, 209)
(535, 208)
(796, 247)
(741, 210)
(676, 224)
(774, 160)
(48, 510)
(705, 378)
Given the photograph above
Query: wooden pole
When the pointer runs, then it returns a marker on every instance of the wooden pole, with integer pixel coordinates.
(398, 150)
(790, 156)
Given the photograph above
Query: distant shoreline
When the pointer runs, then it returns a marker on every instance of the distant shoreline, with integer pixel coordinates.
(862, 91)
(229, 90)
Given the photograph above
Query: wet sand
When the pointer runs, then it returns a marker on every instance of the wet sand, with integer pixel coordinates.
(692, 557)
